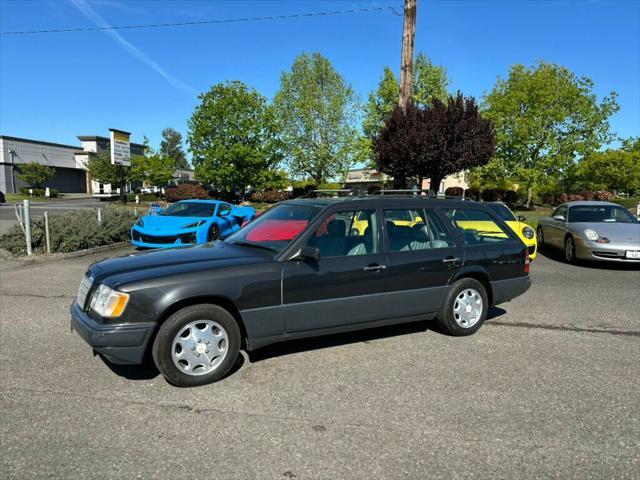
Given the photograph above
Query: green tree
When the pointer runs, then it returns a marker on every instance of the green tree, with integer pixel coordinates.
(233, 137)
(316, 109)
(154, 170)
(102, 170)
(430, 82)
(546, 119)
(615, 170)
(171, 147)
(36, 174)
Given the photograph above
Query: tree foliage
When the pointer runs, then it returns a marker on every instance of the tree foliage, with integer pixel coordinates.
(430, 82)
(434, 141)
(546, 119)
(616, 170)
(233, 137)
(102, 170)
(35, 174)
(154, 170)
(316, 110)
(171, 147)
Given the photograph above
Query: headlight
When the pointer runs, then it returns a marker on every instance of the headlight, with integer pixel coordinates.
(194, 224)
(140, 222)
(106, 302)
(528, 232)
(591, 234)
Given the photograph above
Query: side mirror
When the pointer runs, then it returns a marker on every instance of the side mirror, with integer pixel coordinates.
(559, 218)
(224, 213)
(521, 218)
(307, 253)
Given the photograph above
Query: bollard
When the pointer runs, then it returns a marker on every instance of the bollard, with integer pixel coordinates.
(135, 211)
(100, 216)
(46, 232)
(27, 225)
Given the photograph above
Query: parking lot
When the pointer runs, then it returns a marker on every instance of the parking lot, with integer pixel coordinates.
(547, 388)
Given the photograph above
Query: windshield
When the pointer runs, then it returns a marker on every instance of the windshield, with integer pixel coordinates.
(600, 214)
(189, 209)
(275, 228)
(503, 212)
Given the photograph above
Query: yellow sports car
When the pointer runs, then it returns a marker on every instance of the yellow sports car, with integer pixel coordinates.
(400, 218)
(487, 228)
(524, 231)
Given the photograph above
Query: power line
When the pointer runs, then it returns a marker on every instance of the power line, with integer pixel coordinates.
(207, 22)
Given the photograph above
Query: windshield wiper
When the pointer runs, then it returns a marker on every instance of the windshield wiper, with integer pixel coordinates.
(255, 245)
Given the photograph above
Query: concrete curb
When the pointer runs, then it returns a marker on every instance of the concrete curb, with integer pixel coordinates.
(5, 255)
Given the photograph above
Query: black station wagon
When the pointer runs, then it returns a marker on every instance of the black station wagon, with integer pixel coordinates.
(305, 267)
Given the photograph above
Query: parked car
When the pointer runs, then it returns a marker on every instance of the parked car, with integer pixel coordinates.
(592, 231)
(189, 222)
(518, 225)
(194, 308)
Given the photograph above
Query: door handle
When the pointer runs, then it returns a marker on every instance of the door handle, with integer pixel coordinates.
(451, 260)
(374, 268)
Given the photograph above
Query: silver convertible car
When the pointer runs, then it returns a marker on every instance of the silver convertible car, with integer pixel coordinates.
(592, 231)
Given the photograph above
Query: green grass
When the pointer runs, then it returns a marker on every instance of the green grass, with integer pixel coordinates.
(532, 217)
(18, 197)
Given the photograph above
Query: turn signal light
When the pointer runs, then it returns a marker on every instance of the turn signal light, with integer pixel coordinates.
(527, 261)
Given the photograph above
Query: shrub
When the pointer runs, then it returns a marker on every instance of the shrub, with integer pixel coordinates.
(587, 195)
(269, 196)
(72, 231)
(40, 192)
(473, 193)
(576, 198)
(627, 202)
(510, 197)
(454, 192)
(143, 197)
(185, 192)
(297, 192)
(562, 198)
(604, 196)
(499, 195)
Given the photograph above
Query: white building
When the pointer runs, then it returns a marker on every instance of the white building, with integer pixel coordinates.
(363, 179)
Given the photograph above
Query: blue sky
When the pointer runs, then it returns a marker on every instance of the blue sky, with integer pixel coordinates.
(56, 86)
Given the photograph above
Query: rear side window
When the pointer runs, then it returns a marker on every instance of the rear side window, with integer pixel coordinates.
(476, 226)
(411, 230)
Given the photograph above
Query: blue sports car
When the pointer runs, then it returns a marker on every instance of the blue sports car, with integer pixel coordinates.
(189, 222)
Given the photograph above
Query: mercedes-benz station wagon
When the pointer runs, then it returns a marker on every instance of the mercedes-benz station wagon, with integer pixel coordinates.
(303, 268)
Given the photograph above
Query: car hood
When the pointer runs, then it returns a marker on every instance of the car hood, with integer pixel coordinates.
(161, 223)
(624, 233)
(156, 263)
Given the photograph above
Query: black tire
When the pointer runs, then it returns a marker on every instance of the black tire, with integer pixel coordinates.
(540, 235)
(214, 233)
(162, 345)
(446, 317)
(570, 250)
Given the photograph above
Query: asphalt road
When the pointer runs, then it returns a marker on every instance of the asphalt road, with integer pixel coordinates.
(8, 216)
(548, 388)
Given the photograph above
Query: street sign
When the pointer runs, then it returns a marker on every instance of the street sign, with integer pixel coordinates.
(120, 147)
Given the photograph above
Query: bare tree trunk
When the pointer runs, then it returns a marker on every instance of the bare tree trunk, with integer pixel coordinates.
(434, 184)
(529, 195)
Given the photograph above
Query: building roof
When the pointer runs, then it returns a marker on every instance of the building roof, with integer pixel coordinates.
(94, 138)
(37, 142)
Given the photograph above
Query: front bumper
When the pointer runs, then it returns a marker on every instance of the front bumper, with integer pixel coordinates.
(140, 238)
(608, 252)
(123, 343)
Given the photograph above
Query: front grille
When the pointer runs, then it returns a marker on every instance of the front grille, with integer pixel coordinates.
(159, 240)
(83, 290)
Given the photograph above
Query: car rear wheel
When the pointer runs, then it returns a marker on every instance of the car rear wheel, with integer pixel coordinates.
(214, 233)
(196, 345)
(570, 250)
(465, 307)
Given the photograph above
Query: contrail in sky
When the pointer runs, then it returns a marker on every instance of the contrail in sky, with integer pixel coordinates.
(95, 17)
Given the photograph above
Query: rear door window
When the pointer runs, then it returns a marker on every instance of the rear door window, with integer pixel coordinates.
(347, 233)
(477, 227)
(414, 229)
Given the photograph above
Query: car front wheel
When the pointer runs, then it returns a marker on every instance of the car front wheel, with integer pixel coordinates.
(570, 250)
(196, 345)
(465, 307)
(214, 233)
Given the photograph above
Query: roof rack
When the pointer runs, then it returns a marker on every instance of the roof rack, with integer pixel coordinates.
(328, 193)
(406, 191)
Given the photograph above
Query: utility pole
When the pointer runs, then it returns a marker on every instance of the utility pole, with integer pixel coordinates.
(408, 40)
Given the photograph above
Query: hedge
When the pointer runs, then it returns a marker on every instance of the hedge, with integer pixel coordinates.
(627, 202)
(40, 192)
(269, 196)
(72, 231)
(185, 191)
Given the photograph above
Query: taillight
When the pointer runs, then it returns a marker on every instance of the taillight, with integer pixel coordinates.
(527, 261)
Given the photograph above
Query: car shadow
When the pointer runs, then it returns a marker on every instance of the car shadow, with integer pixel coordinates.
(558, 256)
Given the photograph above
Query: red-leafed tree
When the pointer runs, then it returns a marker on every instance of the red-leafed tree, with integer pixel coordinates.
(435, 141)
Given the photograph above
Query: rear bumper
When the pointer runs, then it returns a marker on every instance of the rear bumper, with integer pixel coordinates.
(505, 290)
(123, 343)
